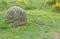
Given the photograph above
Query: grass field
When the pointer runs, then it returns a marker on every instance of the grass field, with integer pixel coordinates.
(41, 24)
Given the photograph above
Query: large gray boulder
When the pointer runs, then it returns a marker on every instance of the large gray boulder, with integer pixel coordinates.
(16, 16)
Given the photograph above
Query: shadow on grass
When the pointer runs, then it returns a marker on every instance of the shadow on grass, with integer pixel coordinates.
(3, 28)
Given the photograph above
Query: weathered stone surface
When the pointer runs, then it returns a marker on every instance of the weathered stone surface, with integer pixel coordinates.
(16, 16)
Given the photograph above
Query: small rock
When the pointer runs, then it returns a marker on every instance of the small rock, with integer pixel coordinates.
(16, 16)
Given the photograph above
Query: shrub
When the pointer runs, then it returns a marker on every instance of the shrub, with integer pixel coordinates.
(56, 6)
(19, 1)
(50, 2)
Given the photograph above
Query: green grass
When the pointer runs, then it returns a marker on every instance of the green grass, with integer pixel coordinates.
(30, 5)
(41, 24)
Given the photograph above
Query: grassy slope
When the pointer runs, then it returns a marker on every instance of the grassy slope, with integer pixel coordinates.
(41, 24)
